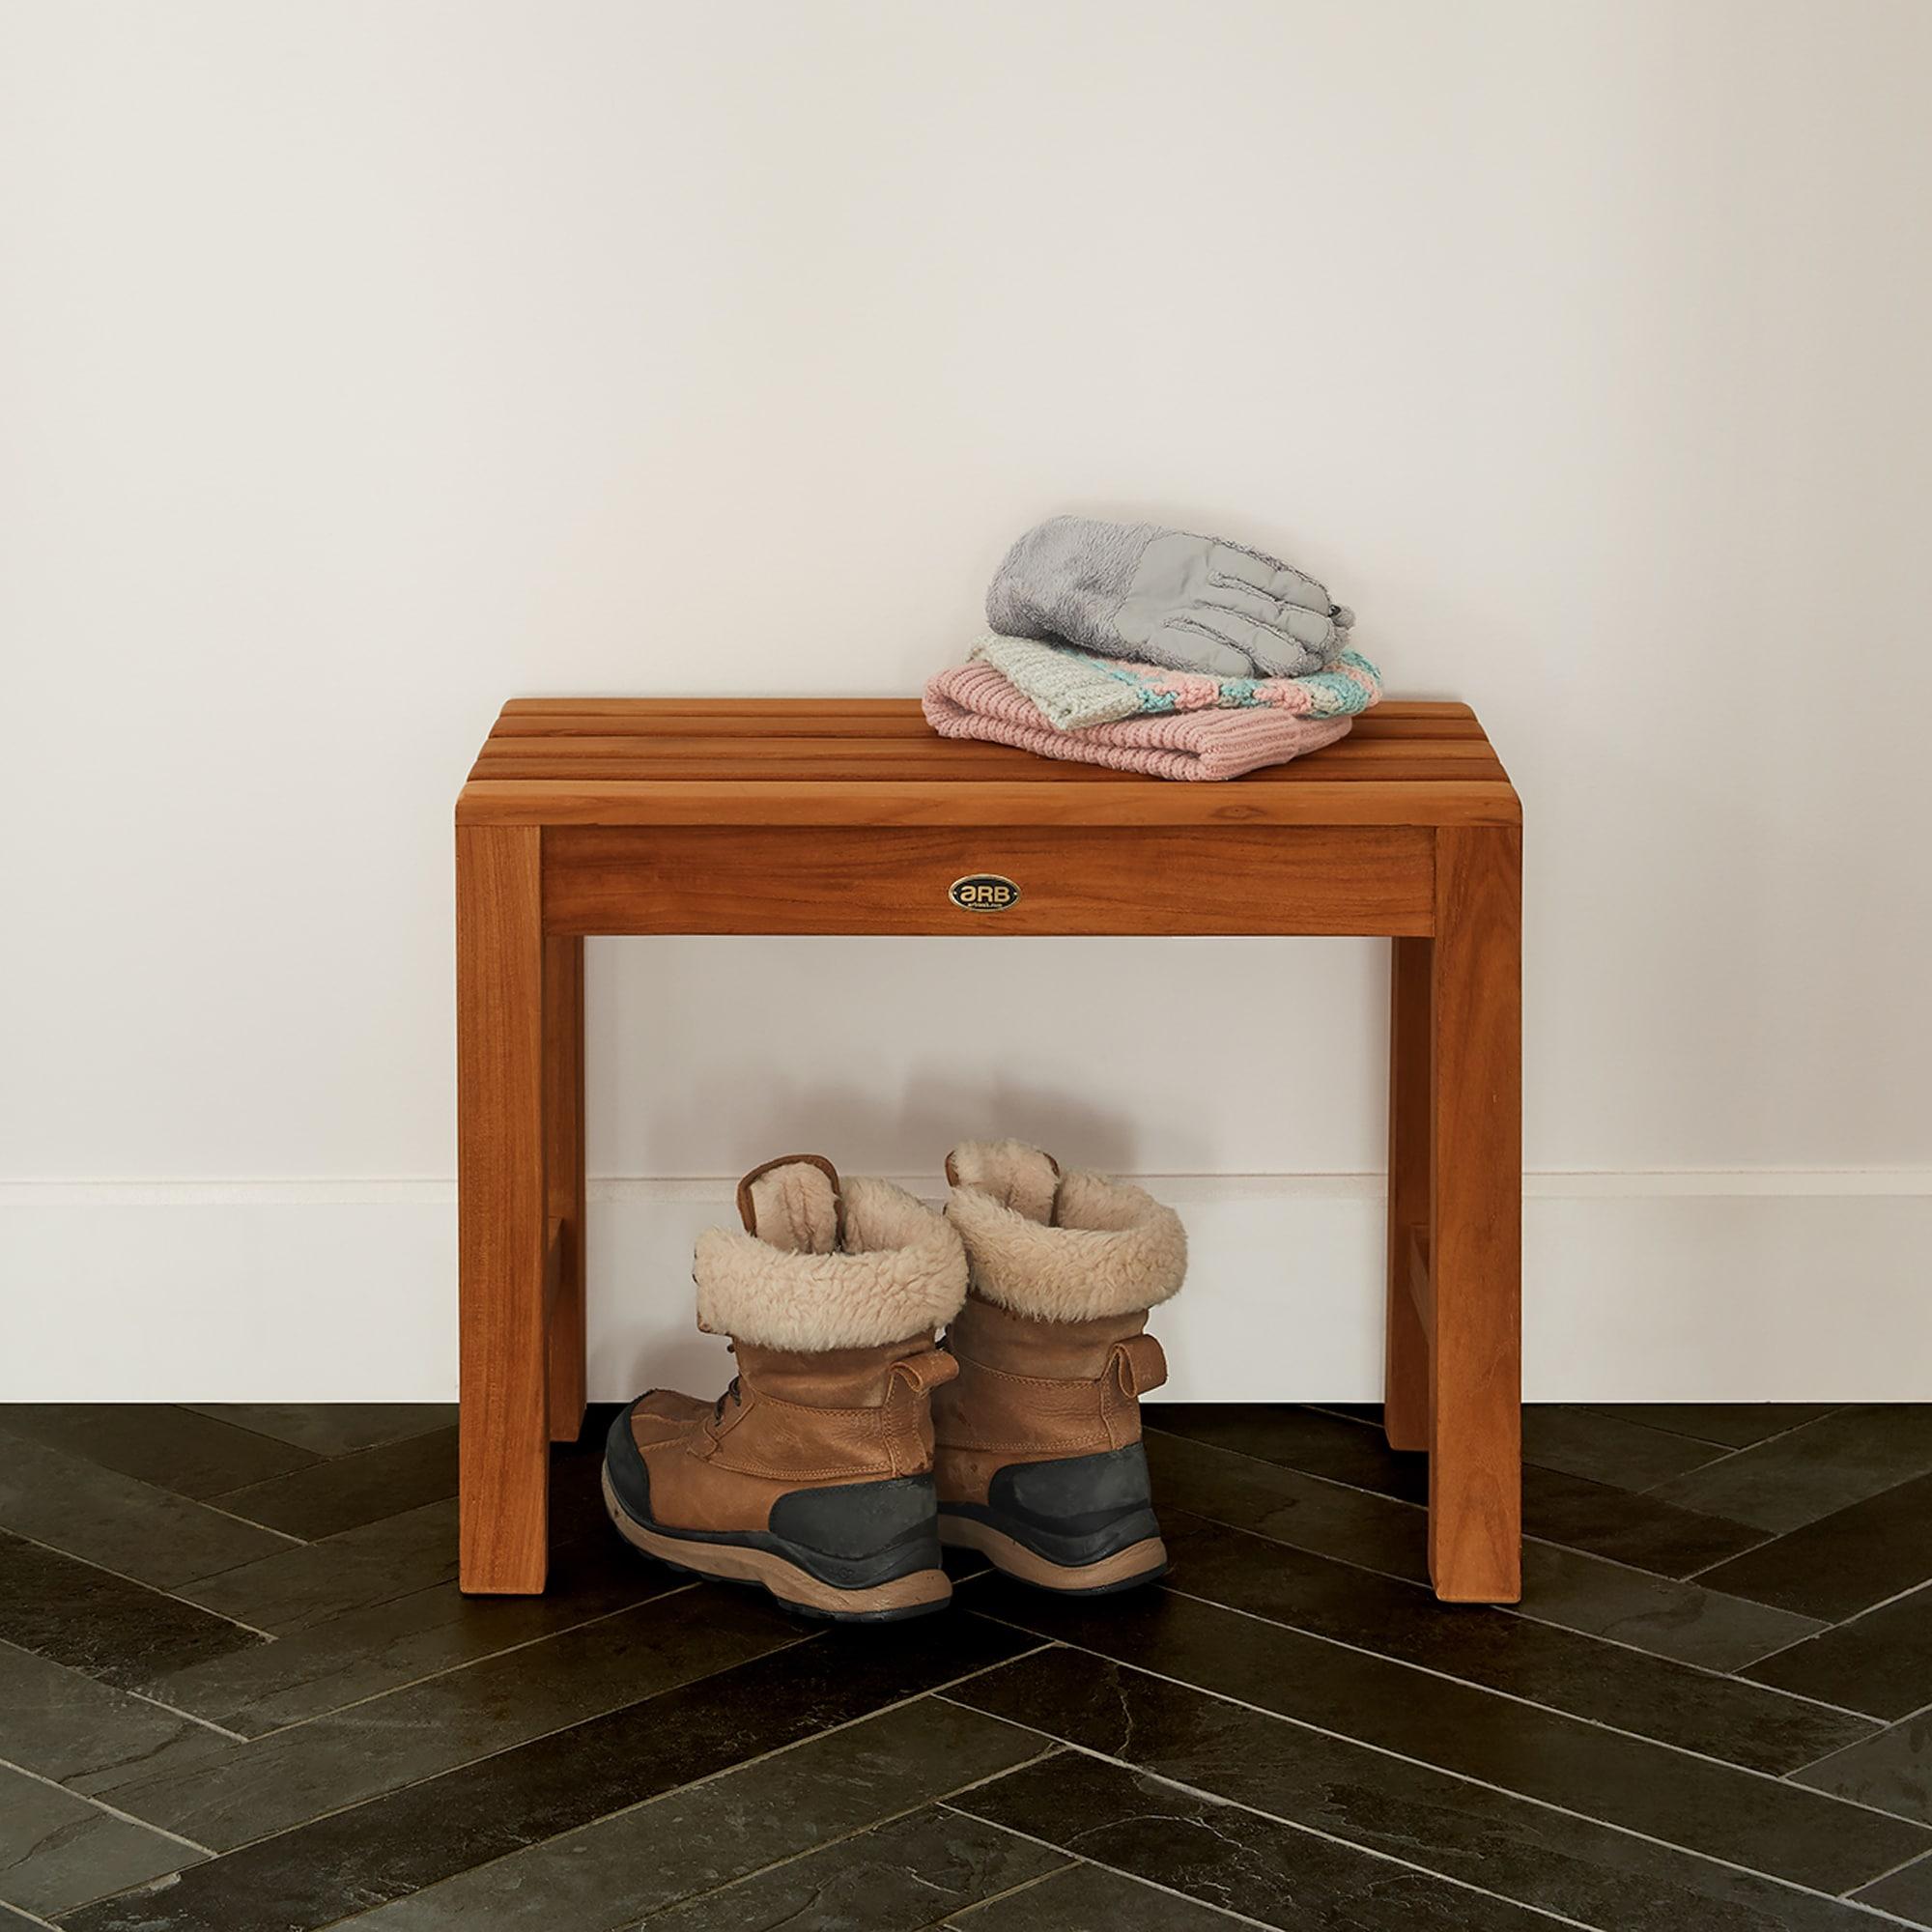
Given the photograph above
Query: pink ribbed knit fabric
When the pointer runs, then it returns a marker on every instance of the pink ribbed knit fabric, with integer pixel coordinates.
(974, 700)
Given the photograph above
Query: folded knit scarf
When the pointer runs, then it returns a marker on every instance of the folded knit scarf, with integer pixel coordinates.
(976, 701)
(1074, 688)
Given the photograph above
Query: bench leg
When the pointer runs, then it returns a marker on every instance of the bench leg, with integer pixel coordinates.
(563, 1168)
(501, 1220)
(1475, 1246)
(1406, 1372)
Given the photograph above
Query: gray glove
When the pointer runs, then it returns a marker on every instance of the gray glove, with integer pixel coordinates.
(1188, 603)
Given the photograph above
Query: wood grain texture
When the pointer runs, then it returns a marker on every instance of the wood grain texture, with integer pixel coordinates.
(1475, 1246)
(876, 762)
(501, 1217)
(1111, 801)
(840, 880)
(563, 1170)
(1406, 1372)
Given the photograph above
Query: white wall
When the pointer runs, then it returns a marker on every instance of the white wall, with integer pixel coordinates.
(362, 364)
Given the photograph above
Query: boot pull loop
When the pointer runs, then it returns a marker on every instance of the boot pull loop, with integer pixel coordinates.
(927, 1370)
(748, 1213)
(1140, 1364)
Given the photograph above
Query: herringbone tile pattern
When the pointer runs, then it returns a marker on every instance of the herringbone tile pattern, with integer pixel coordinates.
(240, 1693)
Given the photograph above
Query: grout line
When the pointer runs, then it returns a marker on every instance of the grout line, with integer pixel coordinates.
(693, 1784)
(174, 1710)
(1865, 1885)
(1685, 1435)
(1119, 1872)
(76, 1458)
(1354, 1845)
(482, 1757)
(201, 1610)
(112, 1811)
(1751, 1449)
(1831, 1630)
(473, 1663)
(1653, 1577)
(935, 1802)
(965, 1912)
(430, 1777)
(1657, 1659)
(1885, 1729)
(294, 1541)
(1460, 1776)
(1551, 1710)
(317, 1456)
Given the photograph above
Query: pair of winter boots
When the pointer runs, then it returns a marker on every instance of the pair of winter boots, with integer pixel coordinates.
(852, 1444)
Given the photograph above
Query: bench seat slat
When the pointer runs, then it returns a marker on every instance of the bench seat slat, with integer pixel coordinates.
(1113, 801)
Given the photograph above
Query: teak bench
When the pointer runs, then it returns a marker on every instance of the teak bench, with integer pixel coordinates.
(850, 815)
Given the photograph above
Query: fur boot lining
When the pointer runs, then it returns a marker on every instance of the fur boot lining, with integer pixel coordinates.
(1016, 1175)
(903, 1274)
(1115, 1250)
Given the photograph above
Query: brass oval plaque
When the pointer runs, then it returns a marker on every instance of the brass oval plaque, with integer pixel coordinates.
(983, 891)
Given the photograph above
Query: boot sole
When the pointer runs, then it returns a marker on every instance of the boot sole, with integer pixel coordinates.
(917, 1595)
(1141, 1562)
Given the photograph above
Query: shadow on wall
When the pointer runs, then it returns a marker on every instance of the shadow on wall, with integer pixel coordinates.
(1159, 1056)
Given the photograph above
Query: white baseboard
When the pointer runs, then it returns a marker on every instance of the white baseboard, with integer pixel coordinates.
(1758, 1286)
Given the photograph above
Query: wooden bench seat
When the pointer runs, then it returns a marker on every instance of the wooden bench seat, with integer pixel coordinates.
(851, 815)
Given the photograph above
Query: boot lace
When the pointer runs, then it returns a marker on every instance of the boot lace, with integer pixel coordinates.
(731, 1395)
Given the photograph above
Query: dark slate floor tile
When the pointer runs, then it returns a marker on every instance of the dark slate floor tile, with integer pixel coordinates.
(1880, 1663)
(1718, 1809)
(1317, 1444)
(413, 1838)
(10, 1918)
(1810, 1473)
(326, 1498)
(94, 1622)
(307, 1583)
(1092, 1898)
(1567, 1587)
(333, 1428)
(1626, 1527)
(58, 1851)
(79, 1733)
(658, 1854)
(1652, 1696)
(1357, 1526)
(1608, 1448)
(172, 1448)
(1906, 1894)
(111, 1519)
(1519, 1850)
(1730, 1425)
(1629, 1528)
(1660, 1614)
(1892, 1770)
(1249, 1863)
(366, 1652)
(907, 1876)
(1843, 1563)
(368, 1748)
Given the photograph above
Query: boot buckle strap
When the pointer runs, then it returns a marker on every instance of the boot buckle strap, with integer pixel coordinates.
(927, 1370)
(1140, 1364)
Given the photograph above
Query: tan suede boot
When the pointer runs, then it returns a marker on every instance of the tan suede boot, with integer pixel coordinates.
(1038, 1459)
(811, 1474)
